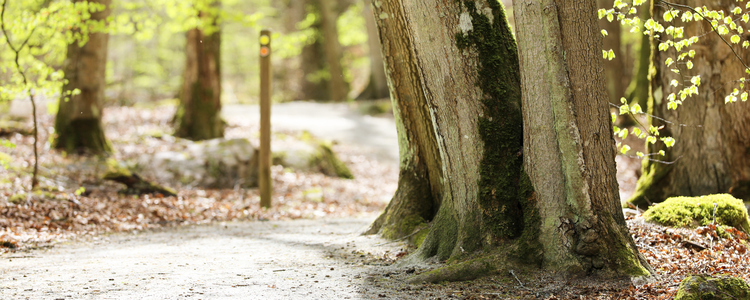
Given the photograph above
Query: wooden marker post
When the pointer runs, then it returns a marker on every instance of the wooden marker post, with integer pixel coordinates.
(264, 171)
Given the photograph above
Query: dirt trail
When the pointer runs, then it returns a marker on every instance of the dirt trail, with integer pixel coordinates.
(304, 259)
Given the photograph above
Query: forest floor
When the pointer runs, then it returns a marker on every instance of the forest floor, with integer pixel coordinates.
(209, 244)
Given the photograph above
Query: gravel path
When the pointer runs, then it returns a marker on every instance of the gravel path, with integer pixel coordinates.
(304, 259)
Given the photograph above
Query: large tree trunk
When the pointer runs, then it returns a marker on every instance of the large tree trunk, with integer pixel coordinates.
(712, 153)
(78, 125)
(199, 114)
(568, 139)
(377, 86)
(454, 75)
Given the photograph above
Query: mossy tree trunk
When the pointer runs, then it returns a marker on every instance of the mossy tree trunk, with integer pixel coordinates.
(78, 125)
(456, 88)
(712, 153)
(199, 115)
(377, 86)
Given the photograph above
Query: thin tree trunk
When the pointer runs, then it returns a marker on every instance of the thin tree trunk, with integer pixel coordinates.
(78, 125)
(328, 17)
(637, 91)
(377, 86)
(199, 114)
(613, 68)
(712, 153)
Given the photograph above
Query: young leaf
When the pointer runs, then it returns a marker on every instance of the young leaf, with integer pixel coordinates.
(636, 109)
(668, 141)
(624, 149)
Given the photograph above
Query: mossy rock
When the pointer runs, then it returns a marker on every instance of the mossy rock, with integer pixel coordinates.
(699, 211)
(704, 287)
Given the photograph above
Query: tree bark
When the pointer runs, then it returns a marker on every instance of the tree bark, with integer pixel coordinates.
(712, 153)
(568, 140)
(78, 125)
(199, 114)
(456, 87)
(377, 86)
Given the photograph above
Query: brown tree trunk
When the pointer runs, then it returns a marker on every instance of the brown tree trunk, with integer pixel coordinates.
(456, 88)
(321, 60)
(712, 153)
(329, 14)
(568, 140)
(199, 114)
(78, 125)
(377, 86)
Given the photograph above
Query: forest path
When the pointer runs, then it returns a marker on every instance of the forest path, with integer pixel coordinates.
(336, 121)
(303, 259)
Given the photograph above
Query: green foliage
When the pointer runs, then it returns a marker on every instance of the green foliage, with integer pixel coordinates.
(700, 211)
(40, 31)
(671, 38)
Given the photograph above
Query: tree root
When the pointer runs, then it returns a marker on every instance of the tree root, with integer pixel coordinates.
(135, 184)
(468, 270)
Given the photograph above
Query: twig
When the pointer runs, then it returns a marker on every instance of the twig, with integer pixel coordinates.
(514, 276)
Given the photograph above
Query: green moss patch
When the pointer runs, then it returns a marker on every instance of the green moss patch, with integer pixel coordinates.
(501, 126)
(699, 211)
(703, 287)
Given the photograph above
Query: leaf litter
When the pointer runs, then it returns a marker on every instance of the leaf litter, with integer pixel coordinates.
(57, 213)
